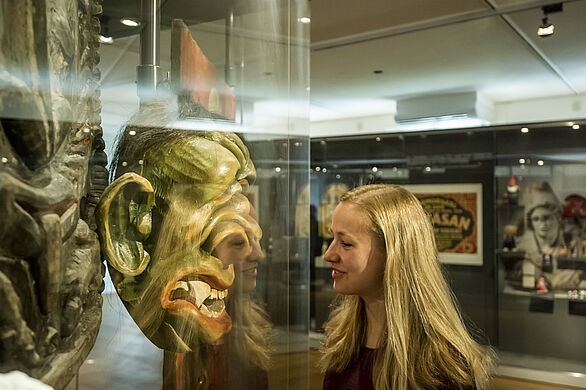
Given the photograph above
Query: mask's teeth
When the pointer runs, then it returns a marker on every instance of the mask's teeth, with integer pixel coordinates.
(181, 285)
(204, 310)
(200, 291)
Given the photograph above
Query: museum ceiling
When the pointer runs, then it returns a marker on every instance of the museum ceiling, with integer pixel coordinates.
(368, 56)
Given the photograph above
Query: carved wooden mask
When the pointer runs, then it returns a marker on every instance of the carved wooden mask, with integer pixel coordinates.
(52, 171)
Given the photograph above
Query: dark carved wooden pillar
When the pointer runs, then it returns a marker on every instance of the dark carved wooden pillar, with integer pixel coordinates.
(52, 171)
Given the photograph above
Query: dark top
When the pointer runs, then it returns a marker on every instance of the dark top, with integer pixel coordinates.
(358, 375)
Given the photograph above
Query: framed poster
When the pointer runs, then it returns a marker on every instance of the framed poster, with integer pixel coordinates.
(456, 213)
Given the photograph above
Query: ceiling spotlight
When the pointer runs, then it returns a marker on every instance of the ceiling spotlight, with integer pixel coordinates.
(130, 22)
(107, 40)
(277, 169)
(524, 130)
(521, 161)
(546, 28)
(540, 162)
(324, 170)
(377, 139)
(576, 126)
(317, 169)
(304, 19)
(374, 169)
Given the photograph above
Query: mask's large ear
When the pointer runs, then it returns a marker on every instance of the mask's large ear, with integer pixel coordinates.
(124, 219)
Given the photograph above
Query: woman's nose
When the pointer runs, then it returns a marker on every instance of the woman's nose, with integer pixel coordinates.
(330, 253)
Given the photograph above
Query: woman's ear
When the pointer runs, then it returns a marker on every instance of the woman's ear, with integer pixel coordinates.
(124, 218)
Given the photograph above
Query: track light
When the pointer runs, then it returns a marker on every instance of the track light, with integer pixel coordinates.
(546, 28)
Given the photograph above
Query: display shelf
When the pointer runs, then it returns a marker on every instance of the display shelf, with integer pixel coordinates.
(577, 263)
(510, 258)
(508, 290)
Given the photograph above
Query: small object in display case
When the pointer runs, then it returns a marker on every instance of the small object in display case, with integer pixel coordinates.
(541, 285)
(547, 264)
(528, 279)
(512, 194)
(575, 206)
(509, 241)
(577, 294)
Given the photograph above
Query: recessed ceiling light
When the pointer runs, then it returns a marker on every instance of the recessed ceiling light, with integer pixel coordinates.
(524, 130)
(304, 19)
(576, 127)
(277, 169)
(374, 169)
(377, 139)
(317, 169)
(324, 170)
(107, 40)
(521, 161)
(540, 162)
(130, 22)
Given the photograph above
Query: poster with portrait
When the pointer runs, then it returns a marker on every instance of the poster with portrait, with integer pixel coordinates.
(456, 212)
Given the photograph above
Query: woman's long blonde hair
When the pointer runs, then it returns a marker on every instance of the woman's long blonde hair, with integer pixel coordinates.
(424, 342)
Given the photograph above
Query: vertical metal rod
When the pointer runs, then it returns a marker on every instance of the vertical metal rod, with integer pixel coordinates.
(148, 72)
(229, 67)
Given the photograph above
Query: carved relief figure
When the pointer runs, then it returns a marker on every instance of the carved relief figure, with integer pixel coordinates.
(52, 171)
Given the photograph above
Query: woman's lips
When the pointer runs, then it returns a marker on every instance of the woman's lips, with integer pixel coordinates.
(337, 273)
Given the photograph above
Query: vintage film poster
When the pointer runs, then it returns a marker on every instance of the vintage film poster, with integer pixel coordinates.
(456, 213)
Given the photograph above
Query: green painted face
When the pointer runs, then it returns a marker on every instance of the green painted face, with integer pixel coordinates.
(158, 240)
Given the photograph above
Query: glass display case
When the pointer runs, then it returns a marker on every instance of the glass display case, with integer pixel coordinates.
(155, 155)
(540, 229)
(519, 276)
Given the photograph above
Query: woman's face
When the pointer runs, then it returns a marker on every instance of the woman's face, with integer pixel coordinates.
(356, 255)
(244, 256)
(545, 223)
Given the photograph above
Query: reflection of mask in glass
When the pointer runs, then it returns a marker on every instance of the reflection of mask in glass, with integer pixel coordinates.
(159, 228)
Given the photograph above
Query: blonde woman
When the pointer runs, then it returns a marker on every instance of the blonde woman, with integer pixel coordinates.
(397, 327)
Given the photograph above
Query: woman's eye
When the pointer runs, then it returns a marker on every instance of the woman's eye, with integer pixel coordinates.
(346, 244)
